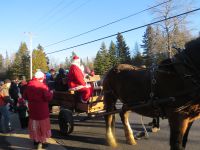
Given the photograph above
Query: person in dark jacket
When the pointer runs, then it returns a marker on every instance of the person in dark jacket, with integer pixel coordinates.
(22, 85)
(14, 93)
(60, 81)
(51, 79)
(22, 110)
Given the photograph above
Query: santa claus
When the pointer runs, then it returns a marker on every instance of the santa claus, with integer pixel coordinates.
(76, 80)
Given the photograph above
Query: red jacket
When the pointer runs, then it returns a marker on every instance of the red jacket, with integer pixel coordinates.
(38, 96)
(75, 78)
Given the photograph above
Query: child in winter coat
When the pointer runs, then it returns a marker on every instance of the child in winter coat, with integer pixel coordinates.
(22, 112)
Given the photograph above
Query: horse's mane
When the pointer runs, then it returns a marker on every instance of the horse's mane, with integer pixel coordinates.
(122, 67)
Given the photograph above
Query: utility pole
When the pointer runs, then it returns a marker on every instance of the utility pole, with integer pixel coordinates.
(30, 50)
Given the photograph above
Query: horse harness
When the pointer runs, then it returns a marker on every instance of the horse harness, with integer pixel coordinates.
(186, 69)
(189, 73)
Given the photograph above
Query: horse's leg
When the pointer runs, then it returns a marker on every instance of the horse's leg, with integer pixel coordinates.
(185, 137)
(156, 124)
(110, 101)
(178, 127)
(127, 128)
(113, 124)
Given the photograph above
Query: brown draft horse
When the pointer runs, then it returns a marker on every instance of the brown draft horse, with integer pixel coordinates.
(170, 90)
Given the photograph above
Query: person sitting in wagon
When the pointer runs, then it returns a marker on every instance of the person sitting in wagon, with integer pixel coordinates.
(76, 80)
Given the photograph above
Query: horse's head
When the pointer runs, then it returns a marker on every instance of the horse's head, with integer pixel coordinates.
(192, 50)
(189, 58)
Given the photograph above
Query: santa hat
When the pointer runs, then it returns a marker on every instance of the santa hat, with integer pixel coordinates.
(39, 75)
(76, 60)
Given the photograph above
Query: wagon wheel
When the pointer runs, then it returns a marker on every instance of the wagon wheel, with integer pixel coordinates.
(66, 122)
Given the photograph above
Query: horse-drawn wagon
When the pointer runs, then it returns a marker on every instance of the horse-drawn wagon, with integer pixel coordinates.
(70, 105)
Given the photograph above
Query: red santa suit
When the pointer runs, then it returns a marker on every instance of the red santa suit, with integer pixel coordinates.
(76, 80)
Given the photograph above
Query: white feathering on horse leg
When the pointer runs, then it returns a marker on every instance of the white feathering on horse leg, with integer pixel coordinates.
(111, 139)
(129, 135)
(128, 130)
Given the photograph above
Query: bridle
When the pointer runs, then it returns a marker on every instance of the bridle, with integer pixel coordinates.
(183, 66)
(187, 64)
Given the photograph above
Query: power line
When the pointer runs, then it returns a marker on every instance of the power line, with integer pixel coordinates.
(52, 10)
(187, 12)
(53, 13)
(72, 11)
(68, 14)
(94, 29)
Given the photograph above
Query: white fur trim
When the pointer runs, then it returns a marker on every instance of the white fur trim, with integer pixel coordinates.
(76, 61)
(77, 88)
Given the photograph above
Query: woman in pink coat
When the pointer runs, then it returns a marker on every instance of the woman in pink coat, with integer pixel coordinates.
(38, 96)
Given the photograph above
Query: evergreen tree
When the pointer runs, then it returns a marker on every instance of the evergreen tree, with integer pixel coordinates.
(72, 55)
(21, 64)
(123, 52)
(137, 58)
(106, 58)
(67, 63)
(113, 54)
(39, 59)
(98, 65)
(1, 61)
(102, 61)
(7, 61)
(148, 45)
(47, 59)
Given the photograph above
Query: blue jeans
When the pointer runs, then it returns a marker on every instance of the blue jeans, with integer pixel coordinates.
(4, 112)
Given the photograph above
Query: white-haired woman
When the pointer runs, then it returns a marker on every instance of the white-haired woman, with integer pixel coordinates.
(38, 96)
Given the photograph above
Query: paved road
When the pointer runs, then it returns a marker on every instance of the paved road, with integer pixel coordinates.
(90, 135)
(19, 139)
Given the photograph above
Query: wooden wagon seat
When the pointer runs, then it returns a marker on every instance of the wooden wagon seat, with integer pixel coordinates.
(94, 80)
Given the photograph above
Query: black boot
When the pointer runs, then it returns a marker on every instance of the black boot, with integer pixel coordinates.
(35, 143)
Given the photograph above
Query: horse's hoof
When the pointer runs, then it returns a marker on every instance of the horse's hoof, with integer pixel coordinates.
(132, 142)
(113, 144)
(155, 129)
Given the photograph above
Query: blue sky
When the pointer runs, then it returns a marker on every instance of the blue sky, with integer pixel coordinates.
(51, 21)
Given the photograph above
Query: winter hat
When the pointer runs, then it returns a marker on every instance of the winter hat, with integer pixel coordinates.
(39, 75)
(52, 70)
